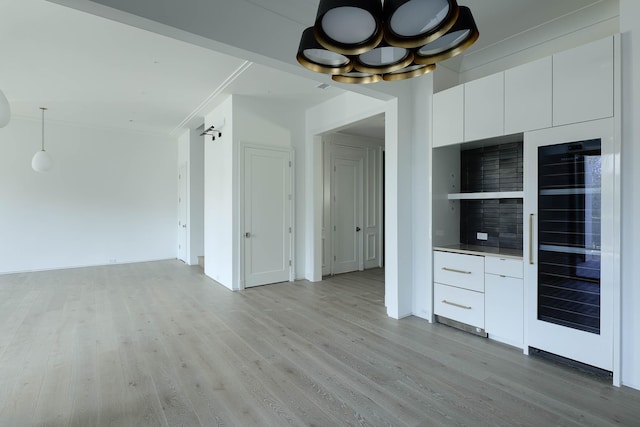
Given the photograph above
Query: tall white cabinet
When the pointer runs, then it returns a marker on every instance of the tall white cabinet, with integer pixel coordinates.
(557, 95)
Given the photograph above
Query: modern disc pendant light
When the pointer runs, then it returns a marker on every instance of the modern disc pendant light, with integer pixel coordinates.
(366, 41)
(42, 161)
(5, 110)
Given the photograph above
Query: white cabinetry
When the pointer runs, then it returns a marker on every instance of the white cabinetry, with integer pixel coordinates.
(484, 108)
(448, 116)
(504, 300)
(583, 80)
(459, 288)
(528, 97)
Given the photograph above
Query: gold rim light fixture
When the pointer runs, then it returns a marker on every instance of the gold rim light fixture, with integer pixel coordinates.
(364, 41)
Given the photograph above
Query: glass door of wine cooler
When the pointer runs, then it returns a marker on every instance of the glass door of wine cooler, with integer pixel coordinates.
(569, 186)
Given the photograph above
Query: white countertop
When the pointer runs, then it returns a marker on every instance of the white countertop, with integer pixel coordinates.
(481, 250)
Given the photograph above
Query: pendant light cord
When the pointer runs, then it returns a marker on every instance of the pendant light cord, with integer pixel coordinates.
(42, 108)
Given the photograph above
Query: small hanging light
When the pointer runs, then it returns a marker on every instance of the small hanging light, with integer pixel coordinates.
(5, 110)
(42, 161)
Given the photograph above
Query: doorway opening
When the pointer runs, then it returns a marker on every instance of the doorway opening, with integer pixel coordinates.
(353, 197)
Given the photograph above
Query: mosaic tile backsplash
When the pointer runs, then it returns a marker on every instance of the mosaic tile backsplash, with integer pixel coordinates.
(492, 169)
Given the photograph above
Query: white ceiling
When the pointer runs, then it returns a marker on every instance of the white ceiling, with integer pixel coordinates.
(101, 73)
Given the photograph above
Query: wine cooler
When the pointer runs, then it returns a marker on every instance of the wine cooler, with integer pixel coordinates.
(569, 234)
(572, 245)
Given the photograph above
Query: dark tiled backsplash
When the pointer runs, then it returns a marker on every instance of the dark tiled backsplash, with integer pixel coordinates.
(492, 169)
(500, 219)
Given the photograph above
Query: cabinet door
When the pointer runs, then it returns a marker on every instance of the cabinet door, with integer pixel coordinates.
(504, 309)
(448, 116)
(583, 83)
(527, 97)
(484, 108)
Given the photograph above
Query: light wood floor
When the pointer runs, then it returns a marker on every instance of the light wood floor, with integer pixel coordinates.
(160, 344)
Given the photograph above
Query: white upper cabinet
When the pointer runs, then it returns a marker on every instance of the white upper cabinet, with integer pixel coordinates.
(528, 97)
(583, 82)
(484, 107)
(448, 116)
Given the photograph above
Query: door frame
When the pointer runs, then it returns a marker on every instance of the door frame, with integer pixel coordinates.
(241, 207)
(183, 205)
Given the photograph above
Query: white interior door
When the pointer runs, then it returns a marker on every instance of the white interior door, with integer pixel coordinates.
(347, 191)
(267, 216)
(182, 213)
(570, 252)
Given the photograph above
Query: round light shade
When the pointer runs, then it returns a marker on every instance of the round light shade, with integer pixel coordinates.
(413, 70)
(42, 161)
(462, 35)
(5, 110)
(313, 56)
(414, 23)
(356, 77)
(349, 27)
(383, 59)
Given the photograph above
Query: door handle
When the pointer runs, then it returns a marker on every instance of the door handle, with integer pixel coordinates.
(184, 225)
(357, 229)
(531, 261)
(247, 234)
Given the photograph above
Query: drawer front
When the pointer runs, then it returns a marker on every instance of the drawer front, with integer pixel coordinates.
(503, 266)
(459, 304)
(462, 271)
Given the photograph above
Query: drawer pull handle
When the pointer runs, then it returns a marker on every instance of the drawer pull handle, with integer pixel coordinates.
(453, 270)
(466, 307)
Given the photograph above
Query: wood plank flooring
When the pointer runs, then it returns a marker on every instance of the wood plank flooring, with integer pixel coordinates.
(159, 344)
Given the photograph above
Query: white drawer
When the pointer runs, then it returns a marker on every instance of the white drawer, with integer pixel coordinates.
(459, 304)
(463, 271)
(503, 266)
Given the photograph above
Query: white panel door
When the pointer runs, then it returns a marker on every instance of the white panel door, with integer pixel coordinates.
(347, 193)
(267, 216)
(570, 277)
(182, 213)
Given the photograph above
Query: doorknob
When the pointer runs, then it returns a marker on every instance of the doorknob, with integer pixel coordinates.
(184, 225)
(357, 229)
(247, 234)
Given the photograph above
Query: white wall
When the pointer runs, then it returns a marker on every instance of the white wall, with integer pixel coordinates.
(191, 152)
(247, 121)
(111, 197)
(219, 199)
(630, 29)
(401, 209)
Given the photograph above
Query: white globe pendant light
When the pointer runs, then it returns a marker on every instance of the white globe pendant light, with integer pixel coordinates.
(5, 110)
(42, 161)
